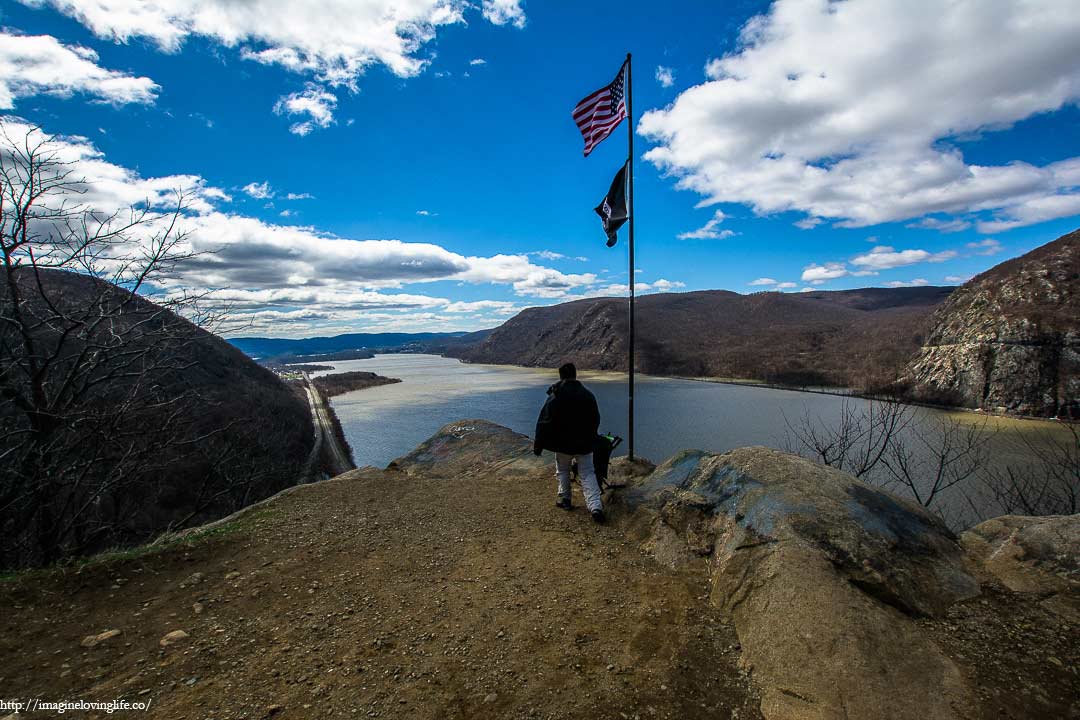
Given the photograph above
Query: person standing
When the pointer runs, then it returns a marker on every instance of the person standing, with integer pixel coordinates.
(567, 426)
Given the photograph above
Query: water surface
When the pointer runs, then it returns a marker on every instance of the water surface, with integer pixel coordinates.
(386, 422)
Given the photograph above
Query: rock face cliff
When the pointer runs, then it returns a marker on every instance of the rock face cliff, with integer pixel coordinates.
(1009, 339)
(852, 338)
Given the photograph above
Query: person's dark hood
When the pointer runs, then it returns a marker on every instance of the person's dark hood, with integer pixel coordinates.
(559, 386)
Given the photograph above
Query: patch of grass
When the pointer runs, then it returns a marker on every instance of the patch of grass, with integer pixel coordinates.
(120, 556)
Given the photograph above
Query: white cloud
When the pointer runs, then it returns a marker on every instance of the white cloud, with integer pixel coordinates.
(709, 231)
(425, 213)
(762, 281)
(808, 223)
(663, 285)
(501, 12)
(809, 114)
(884, 257)
(665, 76)
(262, 267)
(42, 65)
(315, 102)
(259, 191)
(817, 274)
(500, 307)
(478, 61)
(957, 278)
(945, 226)
(917, 282)
(287, 213)
(299, 196)
(548, 255)
(786, 285)
(989, 246)
(334, 41)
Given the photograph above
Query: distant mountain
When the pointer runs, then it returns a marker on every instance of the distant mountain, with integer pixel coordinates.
(114, 431)
(850, 338)
(1009, 339)
(267, 348)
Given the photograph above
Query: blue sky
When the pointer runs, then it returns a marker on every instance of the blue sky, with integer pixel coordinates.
(777, 146)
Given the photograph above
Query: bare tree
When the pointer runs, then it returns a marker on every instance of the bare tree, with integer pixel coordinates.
(1049, 484)
(858, 442)
(886, 443)
(933, 457)
(86, 368)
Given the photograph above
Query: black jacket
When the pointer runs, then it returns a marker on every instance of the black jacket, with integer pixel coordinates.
(568, 421)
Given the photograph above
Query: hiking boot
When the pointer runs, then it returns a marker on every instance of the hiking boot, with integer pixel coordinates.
(598, 517)
(564, 503)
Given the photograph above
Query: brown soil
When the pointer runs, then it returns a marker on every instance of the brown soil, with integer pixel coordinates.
(1021, 660)
(380, 595)
(395, 594)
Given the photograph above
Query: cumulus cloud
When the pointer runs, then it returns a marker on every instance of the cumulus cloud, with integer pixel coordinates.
(665, 76)
(884, 257)
(808, 115)
(499, 307)
(334, 41)
(817, 274)
(502, 12)
(299, 196)
(763, 281)
(808, 223)
(917, 282)
(262, 267)
(709, 231)
(478, 61)
(957, 278)
(314, 102)
(989, 246)
(259, 191)
(42, 65)
(945, 226)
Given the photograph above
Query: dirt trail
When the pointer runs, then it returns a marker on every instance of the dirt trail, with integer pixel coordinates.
(385, 594)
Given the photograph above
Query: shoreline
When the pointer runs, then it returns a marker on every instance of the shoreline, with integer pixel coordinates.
(837, 392)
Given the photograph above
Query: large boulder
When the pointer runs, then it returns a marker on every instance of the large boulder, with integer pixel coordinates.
(823, 576)
(468, 446)
(1032, 555)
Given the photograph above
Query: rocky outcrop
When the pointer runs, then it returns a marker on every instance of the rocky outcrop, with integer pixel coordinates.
(1039, 555)
(823, 576)
(1008, 340)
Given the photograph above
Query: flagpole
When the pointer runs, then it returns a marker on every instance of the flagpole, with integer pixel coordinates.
(633, 278)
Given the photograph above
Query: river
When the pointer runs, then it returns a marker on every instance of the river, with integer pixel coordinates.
(386, 422)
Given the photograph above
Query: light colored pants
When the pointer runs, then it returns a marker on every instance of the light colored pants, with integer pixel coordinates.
(586, 476)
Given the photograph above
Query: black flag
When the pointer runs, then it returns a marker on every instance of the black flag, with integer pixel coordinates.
(613, 209)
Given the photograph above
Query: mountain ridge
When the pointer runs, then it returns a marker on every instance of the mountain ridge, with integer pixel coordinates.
(853, 338)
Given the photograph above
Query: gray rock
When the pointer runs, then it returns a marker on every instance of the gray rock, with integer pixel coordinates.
(1008, 340)
(465, 447)
(822, 575)
(1032, 555)
(173, 637)
(92, 640)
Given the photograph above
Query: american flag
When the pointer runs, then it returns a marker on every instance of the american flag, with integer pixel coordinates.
(599, 113)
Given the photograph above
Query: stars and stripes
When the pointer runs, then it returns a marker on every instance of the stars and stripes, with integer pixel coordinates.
(602, 111)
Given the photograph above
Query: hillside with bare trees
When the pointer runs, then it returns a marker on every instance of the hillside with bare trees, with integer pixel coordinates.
(851, 338)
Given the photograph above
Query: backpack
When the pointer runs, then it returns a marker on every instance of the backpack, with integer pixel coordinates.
(603, 445)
